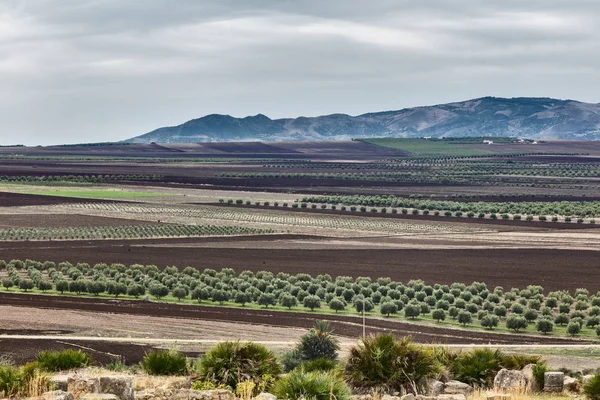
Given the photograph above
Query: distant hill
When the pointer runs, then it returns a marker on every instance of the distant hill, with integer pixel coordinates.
(487, 116)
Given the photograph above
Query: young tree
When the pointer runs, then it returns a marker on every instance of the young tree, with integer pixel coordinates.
(337, 304)
(561, 319)
(388, 308)
(179, 293)
(62, 286)
(312, 302)
(490, 321)
(219, 296)
(412, 311)
(200, 293)
(544, 325)
(242, 298)
(158, 290)
(438, 314)
(573, 328)
(516, 322)
(267, 299)
(7, 283)
(465, 317)
(289, 301)
(26, 284)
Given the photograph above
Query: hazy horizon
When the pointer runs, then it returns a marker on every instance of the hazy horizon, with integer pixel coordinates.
(108, 70)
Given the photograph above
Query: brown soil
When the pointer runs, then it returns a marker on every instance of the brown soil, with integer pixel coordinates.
(553, 269)
(18, 199)
(343, 325)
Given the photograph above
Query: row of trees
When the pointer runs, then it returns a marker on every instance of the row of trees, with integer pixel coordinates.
(516, 309)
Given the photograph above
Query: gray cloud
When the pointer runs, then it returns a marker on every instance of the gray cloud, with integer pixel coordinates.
(96, 70)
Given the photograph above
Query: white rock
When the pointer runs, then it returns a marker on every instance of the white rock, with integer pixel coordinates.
(457, 387)
(507, 380)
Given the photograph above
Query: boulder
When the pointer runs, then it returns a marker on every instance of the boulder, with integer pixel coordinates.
(457, 387)
(507, 380)
(361, 397)
(390, 397)
(421, 397)
(60, 382)
(82, 384)
(148, 394)
(554, 382)
(409, 396)
(435, 387)
(451, 397)
(265, 396)
(532, 385)
(571, 384)
(99, 396)
(58, 395)
(120, 386)
(190, 394)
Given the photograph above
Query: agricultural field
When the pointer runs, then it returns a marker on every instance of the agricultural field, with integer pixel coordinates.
(448, 241)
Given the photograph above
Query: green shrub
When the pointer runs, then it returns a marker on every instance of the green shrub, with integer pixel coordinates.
(477, 367)
(232, 362)
(573, 328)
(315, 385)
(382, 362)
(318, 343)
(165, 362)
(539, 369)
(52, 361)
(319, 364)
(592, 388)
(23, 382)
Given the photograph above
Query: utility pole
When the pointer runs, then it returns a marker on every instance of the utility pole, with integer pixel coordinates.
(363, 310)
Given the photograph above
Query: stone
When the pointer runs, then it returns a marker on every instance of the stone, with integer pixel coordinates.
(148, 394)
(265, 396)
(409, 396)
(498, 396)
(571, 384)
(532, 385)
(120, 386)
(586, 379)
(457, 387)
(99, 396)
(190, 394)
(507, 380)
(361, 397)
(421, 397)
(60, 382)
(58, 395)
(435, 387)
(82, 384)
(456, 396)
(554, 382)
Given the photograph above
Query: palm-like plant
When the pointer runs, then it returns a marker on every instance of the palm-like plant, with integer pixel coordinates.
(319, 343)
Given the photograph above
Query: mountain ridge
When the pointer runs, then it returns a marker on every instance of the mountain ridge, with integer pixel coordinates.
(531, 117)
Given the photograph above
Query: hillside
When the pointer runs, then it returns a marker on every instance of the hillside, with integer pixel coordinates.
(488, 116)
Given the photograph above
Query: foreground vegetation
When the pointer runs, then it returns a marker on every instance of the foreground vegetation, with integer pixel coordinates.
(519, 310)
(379, 364)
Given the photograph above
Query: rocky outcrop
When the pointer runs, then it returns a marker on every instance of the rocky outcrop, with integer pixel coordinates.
(532, 385)
(184, 394)
(435, 387)
(571, 384)
(507, 380)
(58, 395)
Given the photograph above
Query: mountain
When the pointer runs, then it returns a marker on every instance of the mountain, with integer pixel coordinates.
(488, 116)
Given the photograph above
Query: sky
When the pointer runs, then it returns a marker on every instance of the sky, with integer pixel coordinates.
(76, 71)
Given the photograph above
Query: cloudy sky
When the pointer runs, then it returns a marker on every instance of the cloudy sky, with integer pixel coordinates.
(75, 71)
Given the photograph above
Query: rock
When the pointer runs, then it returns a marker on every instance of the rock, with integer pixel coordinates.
(120, 386)
(58, 395)
(265, 396)
(361, 397)
(571, 384)
(190, 394)
(389, 397)
(409, 396)
(99, 396)
(554, 382)
(456, 387)
(421, 397)
(532, 385)
(61, 382)
(435, 387)
(457, 396)
(510, 380)
(498, 396)
(148, 394)
(82, 384)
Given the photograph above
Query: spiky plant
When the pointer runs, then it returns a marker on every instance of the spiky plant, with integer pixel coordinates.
(319, 343)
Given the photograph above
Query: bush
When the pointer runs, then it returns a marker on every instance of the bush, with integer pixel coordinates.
(438, 315)
(318, 343)
(544, 325)
(592, 388)
(477, 367)
(465, 317)
(490, 321)
(232, 362)
(539, 369)
(573, 328)
(516, 322)
(319, 364)
(52, 361)
(382, 362)
(22, 382)
(165, 362)
(315, 385)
